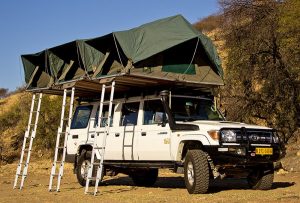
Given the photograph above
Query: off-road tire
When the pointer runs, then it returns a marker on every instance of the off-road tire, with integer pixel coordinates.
(83, 157)
(196, 172)
(261, 179)
(144, 178)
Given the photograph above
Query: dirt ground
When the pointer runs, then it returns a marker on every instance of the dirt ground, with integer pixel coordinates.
(169, 188)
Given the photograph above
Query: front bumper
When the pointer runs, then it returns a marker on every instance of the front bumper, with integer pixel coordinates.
(242, 154)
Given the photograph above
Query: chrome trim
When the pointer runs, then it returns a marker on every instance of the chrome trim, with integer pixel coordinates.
(231, 144)
(266, 145)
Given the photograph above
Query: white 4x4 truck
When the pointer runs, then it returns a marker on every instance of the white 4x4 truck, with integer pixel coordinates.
(181, 132)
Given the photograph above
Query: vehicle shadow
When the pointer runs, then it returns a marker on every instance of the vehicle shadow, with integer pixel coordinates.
(162, 182)
(240, 184)
(169, 183)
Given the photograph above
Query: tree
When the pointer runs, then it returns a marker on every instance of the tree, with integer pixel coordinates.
(3, 92)
(261, 85)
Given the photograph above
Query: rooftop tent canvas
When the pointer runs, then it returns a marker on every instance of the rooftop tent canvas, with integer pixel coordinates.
(169, 48)
(36, 70)
(65, 62)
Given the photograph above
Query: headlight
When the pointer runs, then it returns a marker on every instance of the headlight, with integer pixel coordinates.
(228, 136)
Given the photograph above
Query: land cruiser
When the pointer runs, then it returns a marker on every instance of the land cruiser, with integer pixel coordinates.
(166, 117)
(181, 132)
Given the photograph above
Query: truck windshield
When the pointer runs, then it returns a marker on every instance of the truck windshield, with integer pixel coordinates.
(192, 109)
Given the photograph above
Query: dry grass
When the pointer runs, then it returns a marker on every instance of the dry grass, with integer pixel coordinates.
(168, 188)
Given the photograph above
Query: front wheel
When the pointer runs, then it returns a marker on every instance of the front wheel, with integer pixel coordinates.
(261, 179)
(196, 172)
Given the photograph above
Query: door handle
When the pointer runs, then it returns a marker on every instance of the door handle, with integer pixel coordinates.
(144, 133)
(117, 134)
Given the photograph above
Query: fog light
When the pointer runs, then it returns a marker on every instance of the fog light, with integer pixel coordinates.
(241, 151)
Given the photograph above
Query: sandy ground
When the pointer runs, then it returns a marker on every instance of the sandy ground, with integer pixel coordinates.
(169, 188)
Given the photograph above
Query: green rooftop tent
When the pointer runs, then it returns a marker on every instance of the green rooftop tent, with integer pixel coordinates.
(65, 62)
(37, 72)
(169, 48)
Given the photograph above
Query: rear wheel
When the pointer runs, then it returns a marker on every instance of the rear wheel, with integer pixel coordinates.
(145, 178)
(196, 172)
(260, 179)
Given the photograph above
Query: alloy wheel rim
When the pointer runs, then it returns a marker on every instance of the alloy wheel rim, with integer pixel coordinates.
(190, 173)
(84, 168)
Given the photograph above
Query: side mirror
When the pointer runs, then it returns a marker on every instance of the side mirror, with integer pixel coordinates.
(163, 124)
(160, 119)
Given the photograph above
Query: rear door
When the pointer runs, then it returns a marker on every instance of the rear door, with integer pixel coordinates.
(128, 127)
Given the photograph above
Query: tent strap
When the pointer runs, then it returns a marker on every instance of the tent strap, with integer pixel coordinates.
(198, 39)
(117, 49)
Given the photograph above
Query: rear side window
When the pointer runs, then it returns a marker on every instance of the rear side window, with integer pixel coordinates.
(153, 112)
(129, 113)
(81, 117)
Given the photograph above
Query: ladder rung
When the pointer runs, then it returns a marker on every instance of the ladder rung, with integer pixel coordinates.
(91, 178)
(55, 175)
(62, 132)
(96, 164)
(60, 147)
(26, 150)
(128, 131)
(99, 147)
(35, 111)
(65, 119)
(104, 117)
(32, 124)
(128, 145)
(58, 162)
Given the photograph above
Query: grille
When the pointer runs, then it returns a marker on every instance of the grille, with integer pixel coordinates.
(254, 136)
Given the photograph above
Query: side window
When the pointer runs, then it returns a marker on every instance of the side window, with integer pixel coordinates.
(105, 115)
(81, 117)
(129, 113)
(153, 112)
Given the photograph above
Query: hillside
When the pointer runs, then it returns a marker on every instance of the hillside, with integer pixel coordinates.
(14, 113)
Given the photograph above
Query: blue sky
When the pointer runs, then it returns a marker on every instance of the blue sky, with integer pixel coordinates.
(30, 26)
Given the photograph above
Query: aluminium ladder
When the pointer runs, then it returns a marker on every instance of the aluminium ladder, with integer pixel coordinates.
(29, 133)
(63, 132)
(100, 149)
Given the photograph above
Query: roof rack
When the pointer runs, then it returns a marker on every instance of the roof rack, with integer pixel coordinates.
(124, 84)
